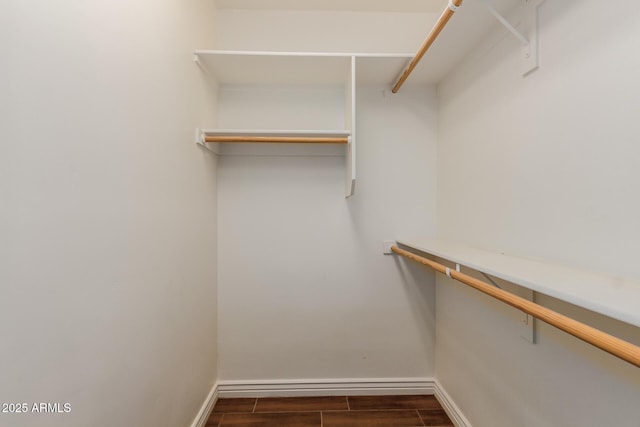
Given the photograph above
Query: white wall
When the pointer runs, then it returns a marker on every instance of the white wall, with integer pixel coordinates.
(321, 31)
(107, 212)
(305, 291)
(543, 166)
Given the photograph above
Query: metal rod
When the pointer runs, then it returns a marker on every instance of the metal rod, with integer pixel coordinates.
(612, 345)
(433, 35)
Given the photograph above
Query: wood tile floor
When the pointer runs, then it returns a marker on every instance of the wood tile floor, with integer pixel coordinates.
(330, 411)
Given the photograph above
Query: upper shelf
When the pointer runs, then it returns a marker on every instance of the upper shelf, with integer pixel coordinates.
(244, 67)
(612, 296)
(247, 67)
(471, 23)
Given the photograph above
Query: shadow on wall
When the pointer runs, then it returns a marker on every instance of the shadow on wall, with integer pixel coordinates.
(419, 283)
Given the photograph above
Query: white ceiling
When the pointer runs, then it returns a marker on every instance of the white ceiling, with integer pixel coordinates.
(354, 5)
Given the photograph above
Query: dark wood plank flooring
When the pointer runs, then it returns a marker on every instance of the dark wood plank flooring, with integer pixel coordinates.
(330, 411)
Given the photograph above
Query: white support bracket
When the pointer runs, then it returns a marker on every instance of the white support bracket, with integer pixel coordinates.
(504, 22)
(528, 331)
(447, 272)
(530, 27)
(199, 139)
(528, 36)
(490, 279)
(386, 246)
(527, 321)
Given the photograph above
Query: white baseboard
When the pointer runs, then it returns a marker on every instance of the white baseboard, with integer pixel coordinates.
(450, 407)
(341, 387)
(207, 407)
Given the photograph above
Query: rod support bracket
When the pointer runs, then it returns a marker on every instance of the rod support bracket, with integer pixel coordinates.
(453, 7)
(386, 247)
(505, 23)
(531, 51)
(199, 140)
(527, 34)
(528, 326)
(447, 270)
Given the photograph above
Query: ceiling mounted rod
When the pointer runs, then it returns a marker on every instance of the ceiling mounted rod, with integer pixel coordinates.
(433, 35)
(503, 21)
(612, 345)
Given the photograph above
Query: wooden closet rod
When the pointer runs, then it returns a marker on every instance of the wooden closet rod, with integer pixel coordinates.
(279, 139)
(615, 346)
(433, 35)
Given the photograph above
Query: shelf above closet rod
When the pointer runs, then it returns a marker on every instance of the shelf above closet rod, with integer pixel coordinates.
(611, 296)
(612, 345)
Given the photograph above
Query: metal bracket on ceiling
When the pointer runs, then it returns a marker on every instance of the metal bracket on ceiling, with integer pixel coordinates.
(529, 34)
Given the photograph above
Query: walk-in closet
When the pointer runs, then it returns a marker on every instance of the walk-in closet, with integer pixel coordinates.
(319, 213)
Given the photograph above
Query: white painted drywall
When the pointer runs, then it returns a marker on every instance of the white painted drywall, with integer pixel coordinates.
(543, 166)
(308, 107)
(107, 212)
(336, 5)
(304, 289)
(321, 31)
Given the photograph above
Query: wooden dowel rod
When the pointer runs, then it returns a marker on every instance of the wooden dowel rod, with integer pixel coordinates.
(278, 139)
(433, 35)
(615, 346)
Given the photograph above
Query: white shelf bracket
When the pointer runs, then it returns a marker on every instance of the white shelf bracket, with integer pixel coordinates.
(528, 331)
(527, 325)
(490, 279)
(504, 22)
(386, 246)
(350, 186)
(448, 271)
(529, 35)
(199, 140)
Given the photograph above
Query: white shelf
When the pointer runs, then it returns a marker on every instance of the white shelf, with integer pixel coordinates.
(248, 67)
(470, 24)
(286, 69)
(252, 71)
(614, 297)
